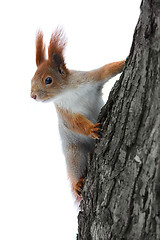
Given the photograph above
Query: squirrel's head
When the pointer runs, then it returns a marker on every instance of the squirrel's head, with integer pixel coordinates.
(51, 75)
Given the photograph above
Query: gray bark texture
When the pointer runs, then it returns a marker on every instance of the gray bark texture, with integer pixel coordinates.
(121, 196)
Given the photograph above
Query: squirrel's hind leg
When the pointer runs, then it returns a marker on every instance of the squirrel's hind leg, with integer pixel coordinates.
(76, 160)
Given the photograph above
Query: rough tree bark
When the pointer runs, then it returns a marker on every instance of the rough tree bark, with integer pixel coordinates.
(122, 189)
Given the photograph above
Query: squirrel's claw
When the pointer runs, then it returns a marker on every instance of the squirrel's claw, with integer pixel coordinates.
(79, 186)
(96, 131)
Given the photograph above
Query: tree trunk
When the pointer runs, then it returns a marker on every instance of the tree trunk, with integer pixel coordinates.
(122, 189)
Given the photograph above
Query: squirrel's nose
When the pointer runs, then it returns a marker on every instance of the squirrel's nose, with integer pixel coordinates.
(34, 96)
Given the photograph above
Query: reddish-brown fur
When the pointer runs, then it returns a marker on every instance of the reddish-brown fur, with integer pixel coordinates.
(111, 69)
(57, 46)
(107, 71)
(78, 123)
(40, 49)
(57, 43)
(63, 79)
(77, 188)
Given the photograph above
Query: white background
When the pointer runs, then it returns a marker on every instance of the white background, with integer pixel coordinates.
(35, 198)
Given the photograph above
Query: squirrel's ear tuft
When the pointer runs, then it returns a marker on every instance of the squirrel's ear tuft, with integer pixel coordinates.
(40, 49)
(55, 52)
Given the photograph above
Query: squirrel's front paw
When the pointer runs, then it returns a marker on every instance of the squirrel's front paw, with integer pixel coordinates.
(95, 131)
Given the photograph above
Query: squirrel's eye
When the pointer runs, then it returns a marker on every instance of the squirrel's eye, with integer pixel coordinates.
(48, 80)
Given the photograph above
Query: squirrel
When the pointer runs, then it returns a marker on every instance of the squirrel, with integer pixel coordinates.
(77, 96)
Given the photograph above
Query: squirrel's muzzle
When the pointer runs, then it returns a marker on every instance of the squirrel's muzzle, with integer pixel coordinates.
(33, 95)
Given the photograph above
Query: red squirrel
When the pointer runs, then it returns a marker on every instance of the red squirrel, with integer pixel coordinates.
(77, 96)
